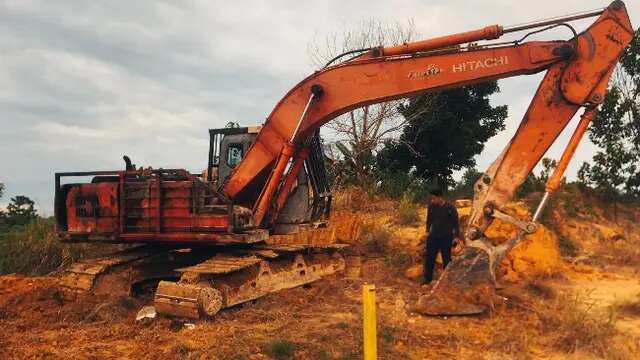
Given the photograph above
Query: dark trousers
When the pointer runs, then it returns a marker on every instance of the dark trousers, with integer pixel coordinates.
(435, 245)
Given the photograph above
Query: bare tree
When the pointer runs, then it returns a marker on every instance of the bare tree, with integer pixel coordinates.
(366, 128)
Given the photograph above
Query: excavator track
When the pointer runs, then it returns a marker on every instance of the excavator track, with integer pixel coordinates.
(226, 280)
(117, 273)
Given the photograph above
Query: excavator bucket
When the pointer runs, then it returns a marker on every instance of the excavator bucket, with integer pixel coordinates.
(466, 287)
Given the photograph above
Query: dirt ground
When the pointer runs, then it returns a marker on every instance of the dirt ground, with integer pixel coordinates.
(585, 310)
(322, 321)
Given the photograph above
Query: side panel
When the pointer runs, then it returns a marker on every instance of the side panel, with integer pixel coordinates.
(93, 208)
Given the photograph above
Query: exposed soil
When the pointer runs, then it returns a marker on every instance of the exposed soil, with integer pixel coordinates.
(323, 321)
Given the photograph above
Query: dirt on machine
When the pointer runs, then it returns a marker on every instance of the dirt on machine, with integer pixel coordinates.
(206, 239)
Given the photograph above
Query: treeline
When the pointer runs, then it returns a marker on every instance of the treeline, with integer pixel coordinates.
(20, 212)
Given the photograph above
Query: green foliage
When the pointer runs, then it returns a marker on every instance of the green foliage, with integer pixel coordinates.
(20, 211)
(537, 183)
(355, 166)
(394, 184)
(464, 187)
(444, 132)
(615, 170)
(34, 249)
(398, 184)
(407, 213)
(281, 349)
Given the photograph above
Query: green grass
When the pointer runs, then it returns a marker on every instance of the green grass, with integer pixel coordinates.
(34, 249)
(281, 349)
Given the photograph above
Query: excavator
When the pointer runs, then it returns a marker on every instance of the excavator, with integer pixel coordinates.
(205, 238)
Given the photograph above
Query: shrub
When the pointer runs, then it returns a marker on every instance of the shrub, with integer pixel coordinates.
(394, 185)
(568, 247)
(34, 249)
(353, 198)
(281, 349)
(407, 210)
(387, 334)
(397, 258)
(375, 238)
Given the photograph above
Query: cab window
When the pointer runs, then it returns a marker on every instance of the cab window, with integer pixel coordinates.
(234, 154)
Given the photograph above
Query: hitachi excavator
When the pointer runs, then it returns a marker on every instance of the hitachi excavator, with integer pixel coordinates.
(205, 237)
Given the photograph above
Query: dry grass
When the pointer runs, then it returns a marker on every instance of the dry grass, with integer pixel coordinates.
(375, 238)
(541, 290)
(579, 326)
(619, 253)
(513, 340)
(353, 199)
(629, 308)
(408, 211)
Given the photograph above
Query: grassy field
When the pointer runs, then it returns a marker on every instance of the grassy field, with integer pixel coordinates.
(34, 249)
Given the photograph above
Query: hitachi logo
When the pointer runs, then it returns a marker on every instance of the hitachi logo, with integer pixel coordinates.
(480, 64)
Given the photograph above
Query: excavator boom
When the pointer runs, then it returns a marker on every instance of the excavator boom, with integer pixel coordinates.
(577, 75)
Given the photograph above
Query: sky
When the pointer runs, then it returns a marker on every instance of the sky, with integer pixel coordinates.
(84, 82)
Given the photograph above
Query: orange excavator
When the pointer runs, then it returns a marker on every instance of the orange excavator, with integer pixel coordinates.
(205, 237)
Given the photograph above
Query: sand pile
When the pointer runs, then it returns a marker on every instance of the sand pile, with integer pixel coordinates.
(538, 255)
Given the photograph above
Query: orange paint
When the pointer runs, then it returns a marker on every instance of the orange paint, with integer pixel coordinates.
(575, 77)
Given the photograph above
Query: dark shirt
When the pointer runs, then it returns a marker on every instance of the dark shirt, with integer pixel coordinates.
(442, 220)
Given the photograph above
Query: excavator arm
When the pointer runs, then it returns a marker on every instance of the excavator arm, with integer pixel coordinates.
(577, 74)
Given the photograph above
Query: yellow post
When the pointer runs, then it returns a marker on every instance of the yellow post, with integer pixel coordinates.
(369, 322)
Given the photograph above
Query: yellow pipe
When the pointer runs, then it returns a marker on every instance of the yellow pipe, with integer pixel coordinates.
(369, 322)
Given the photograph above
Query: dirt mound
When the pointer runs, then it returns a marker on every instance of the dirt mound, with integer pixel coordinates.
(596, 233)
(538, 255)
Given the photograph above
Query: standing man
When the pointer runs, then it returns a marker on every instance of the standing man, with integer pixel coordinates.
(442, 227)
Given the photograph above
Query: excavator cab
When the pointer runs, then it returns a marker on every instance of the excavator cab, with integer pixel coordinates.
(309, 202)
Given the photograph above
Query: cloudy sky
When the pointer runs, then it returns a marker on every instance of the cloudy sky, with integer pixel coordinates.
(84, 82)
